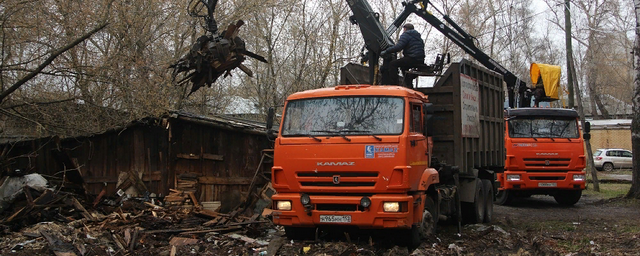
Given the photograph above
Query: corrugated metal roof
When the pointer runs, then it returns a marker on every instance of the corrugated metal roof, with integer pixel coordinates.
(215, 120)
(610, 123)
(222, 120)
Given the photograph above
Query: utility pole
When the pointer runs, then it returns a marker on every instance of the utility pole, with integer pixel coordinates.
(567, 35)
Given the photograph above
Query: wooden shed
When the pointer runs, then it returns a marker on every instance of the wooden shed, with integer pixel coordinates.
(207, 154)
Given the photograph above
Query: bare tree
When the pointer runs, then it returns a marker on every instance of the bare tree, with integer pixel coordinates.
(634, 191)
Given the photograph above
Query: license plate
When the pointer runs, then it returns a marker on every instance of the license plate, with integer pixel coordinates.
(552, 184)
(335, 218)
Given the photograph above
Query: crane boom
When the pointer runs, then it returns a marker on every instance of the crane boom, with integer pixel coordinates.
(378, 39)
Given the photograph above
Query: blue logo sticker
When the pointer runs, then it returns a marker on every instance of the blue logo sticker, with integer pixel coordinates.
(369, 151)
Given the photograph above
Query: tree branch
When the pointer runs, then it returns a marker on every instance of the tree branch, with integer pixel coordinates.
(48, 61)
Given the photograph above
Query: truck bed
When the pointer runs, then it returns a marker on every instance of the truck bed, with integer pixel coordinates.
(467, 123)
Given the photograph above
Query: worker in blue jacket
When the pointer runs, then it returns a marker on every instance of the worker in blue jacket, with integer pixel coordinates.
(412, 47)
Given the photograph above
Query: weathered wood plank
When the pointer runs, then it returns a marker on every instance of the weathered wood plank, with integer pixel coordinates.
(208, 180)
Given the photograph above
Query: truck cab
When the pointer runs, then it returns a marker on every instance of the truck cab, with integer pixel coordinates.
(545, 155)
(353, 155)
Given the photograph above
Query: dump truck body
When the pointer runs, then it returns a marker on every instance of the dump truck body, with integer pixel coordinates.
(389, 157)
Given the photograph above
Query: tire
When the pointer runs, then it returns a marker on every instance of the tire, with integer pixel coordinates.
(568, 197)
(473, 213)
(427, 227)
(607, 167)
(413, 238)
(504, 197)
(300, 233)
(433, 208)
(488, 200)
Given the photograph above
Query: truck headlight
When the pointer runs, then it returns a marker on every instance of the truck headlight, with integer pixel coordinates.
(513, 177)
(579, 177)
(391, 206)
(283, 205)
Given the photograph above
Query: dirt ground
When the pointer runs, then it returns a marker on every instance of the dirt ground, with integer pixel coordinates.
(532, 226)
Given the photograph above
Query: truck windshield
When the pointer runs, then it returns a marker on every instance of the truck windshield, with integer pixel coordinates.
(543, 128)
(338, 116)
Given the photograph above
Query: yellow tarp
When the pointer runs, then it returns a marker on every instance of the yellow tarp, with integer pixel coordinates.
(550, 78)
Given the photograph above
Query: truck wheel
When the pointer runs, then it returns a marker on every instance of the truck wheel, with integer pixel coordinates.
(300, 233)
(568, 198)
(473, 213)
(427, 227)
(430, 217)
(488, 199)
(607, 167)
(504, 197)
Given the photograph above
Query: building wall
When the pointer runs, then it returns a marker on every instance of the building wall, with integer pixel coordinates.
(611, 138)
(224, 158)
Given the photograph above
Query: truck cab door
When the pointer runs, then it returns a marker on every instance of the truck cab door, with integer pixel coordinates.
(418, 147)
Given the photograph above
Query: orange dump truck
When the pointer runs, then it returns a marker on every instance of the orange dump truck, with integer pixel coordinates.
(388, 157)
(545, 155)
(545, 150)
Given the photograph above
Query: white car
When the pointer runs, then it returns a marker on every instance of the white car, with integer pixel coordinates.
(609, 158)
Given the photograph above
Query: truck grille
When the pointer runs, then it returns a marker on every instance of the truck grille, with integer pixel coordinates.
(338, 207)
(337, 179)
(547, 162)
(546, 178)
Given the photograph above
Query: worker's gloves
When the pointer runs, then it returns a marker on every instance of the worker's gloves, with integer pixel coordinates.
(383, 53)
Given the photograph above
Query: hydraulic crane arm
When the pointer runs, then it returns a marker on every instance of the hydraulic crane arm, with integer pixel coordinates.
(374, 34)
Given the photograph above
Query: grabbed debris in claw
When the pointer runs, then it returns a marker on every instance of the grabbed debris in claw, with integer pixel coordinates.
(212, 54)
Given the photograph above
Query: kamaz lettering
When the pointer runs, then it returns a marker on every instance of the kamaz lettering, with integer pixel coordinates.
(336, 163)
(386, 149)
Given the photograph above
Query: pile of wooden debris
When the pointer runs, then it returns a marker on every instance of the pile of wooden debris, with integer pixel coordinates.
(38, 218)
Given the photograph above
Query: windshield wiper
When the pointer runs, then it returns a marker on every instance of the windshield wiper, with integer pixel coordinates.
(334, 132)
(364, 131)
(307, 135)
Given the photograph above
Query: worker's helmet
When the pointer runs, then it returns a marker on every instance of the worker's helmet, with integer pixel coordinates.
(408, 26)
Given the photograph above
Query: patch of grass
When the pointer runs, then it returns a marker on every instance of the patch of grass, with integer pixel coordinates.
(630, 228)
(607, 190)
(552, 225)
(575, 245)
(618, 172)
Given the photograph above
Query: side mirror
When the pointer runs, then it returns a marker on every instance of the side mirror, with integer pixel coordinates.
(270, 116)
(271, 134)
(587, 127)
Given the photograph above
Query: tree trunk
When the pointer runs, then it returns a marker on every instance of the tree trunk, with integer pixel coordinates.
(590, 164)
(567, 31)
(634, 192)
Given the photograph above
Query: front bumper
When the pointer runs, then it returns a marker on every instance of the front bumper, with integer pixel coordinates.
(529, 181)
(598, 164)
(372, 217)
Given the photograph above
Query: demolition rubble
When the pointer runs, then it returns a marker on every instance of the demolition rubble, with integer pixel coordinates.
(40, 219)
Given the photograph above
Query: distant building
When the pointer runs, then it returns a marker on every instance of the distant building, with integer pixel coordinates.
(611, 133)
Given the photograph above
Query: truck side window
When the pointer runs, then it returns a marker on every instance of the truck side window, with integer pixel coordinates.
(416, 118)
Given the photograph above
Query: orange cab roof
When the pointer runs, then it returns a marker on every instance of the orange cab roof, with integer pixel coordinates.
(358, 90)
